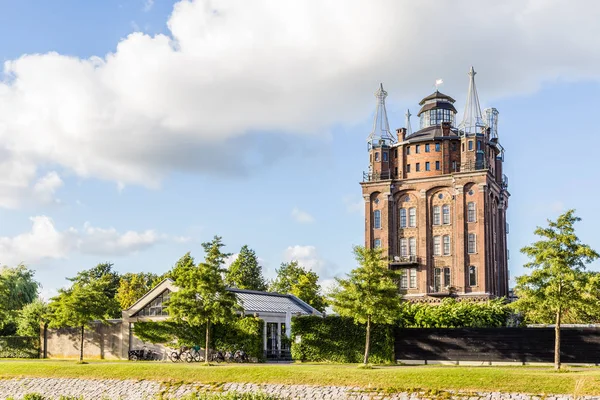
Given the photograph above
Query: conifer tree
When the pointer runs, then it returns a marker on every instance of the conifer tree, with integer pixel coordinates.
(369, 294)
(245, 272)
(558, 283)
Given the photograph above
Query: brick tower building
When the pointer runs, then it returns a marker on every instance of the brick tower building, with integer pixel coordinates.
(436, 199)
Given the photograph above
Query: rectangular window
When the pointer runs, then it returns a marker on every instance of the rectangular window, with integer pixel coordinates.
(377, 156)
(418, 148)
(412, 217)
(437, 246)
(418, 167)
(427, 168)
(377, 219)
(413, 278)
(404, 279)
(427, 148)
(471, 215)
(407, 168)
(395, 171)
(446, 245)
(377, 243)
(446, 214)
(395, 153)
(471, 244)
(470, 145)
(403, 218)
(453, 146)
(437, 279)
(412, 246)
(454, 166)
(438, 147)
(407, 150)
(437, 165)
(479, 145)
(385, 156)
(403, 247)
(463, 147)
(446, 277)
(472, 276)
(436, 215)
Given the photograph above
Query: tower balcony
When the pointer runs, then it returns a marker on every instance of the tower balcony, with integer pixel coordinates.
(400, 262)
(476, 165)
(504, 182)
(376, 176)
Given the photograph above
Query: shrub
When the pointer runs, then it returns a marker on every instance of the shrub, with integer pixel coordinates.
(339, 339)
(34, 396)
(19, 347)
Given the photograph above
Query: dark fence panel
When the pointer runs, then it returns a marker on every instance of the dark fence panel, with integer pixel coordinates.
(578, 345)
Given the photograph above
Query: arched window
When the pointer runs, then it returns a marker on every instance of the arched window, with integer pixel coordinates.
(446, 214)
(446, 245)
(412, 217)
(472, 244)
(436, 215)
(403, 218)
(437, 246)
(412, 247)
(472, 275)
(377, 219)
(471, 214)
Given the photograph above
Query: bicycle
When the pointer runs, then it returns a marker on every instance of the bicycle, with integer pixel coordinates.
(194, 355)
(179, 356)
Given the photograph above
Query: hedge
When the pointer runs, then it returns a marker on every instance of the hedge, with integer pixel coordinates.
(339, 339)
(19, 347)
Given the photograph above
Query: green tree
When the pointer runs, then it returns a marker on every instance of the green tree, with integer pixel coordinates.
(86, 301)
(369, 294)
(294, 279)
(31, 317)
(132, 286)
(202, 298)
(558, 284)
(245, 272)
(17, 289)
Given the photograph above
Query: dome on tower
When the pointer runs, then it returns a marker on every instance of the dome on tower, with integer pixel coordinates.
(436, 108)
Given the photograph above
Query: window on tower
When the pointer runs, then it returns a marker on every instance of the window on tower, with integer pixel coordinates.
(418, 167)
(470, 145)
(471, 214)
(427, 168)
(479, 145)
(446, 214)
(377, 243)
(437, 246)
(471, 244)
(427, 148)
(403, 218)
(385, 156)
(437, 165)
(412, 217)
(436, 215)
(472, 275)
(377, 156)
(446, 245)
(377, 219)
(438, 147)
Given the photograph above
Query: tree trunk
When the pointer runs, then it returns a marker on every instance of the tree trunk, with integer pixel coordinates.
(368, 343)
(557, 341)
(81, 348)
(206, 347)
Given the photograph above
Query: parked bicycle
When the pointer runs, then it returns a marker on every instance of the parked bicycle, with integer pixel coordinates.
(194, 355)
(179, 355)
(143, 354)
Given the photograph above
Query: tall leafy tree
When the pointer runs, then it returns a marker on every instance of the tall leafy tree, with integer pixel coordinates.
(17, 289)
(31, 317)
(202, 298)
(558, 283)
(86, 301)
(132, 286)
(294, 279)
(369, 294)
(245, 272)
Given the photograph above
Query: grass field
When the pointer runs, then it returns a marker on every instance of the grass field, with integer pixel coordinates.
(542, 380)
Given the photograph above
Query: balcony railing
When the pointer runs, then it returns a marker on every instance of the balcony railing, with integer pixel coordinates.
(469, 166)
(376, 176)
(504, 181)
(404, 261)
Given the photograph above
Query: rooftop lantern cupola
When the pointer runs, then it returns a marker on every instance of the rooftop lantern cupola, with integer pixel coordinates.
(436, 108)
(380, 134)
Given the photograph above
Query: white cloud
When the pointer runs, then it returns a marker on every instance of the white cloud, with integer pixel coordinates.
(46, 187)
(44, 241)
(163, 103)
(302, 217)
(309, 257)
(354, 204)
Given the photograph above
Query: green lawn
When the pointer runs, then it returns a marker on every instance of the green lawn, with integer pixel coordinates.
(542, 380)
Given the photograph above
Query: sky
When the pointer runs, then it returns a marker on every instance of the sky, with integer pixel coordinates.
(131, 131)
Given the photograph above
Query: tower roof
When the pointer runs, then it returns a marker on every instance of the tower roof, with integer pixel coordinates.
(381, 127)
(437, 95)
(472, 121)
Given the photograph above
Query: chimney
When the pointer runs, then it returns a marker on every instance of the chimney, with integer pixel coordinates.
(401, 134)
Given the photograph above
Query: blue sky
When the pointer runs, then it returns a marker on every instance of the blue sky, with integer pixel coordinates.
(250, 123)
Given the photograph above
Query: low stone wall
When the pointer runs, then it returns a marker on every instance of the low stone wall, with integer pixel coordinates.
(91, 389)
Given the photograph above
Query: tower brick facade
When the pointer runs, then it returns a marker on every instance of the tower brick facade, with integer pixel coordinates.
(436, 200)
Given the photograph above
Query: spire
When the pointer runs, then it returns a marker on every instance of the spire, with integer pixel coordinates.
(472, 121)
(381, 128)
(408, 127)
